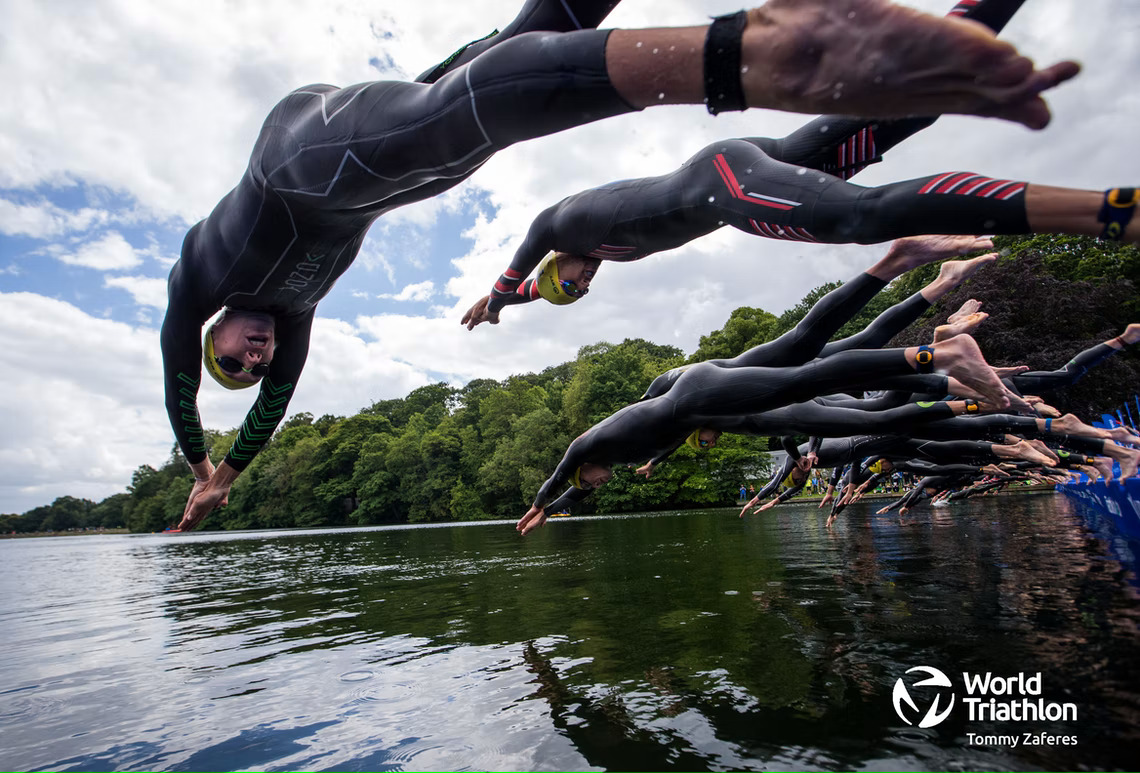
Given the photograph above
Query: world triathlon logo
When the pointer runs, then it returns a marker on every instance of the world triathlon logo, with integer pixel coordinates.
(932, 693)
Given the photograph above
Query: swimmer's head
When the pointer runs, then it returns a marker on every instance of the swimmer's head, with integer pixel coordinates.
(238, 347)
(563, 278)
(591, 476)
(703, 439)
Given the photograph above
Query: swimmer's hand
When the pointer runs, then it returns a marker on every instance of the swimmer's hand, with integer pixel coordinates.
(208, 495)
(645, 469)
(534, 518)
(751, 503)
(479, 313)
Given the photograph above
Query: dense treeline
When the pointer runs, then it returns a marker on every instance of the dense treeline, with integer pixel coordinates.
(481, 451)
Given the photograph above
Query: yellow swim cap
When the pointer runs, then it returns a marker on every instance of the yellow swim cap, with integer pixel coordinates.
(576, 478)
(549, 286)
(694, 440)
(212, 366)
(877, 467)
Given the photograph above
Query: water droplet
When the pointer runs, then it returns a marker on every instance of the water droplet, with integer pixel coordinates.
(639, 44)
(747, 171)
(661, 95)
(712, 199)
(851, 15)
(655, 50)
(801, 171)
(823, 129)
(823, 179)
(743, 69)
(720, 223)
(672, 48)
(837, 95)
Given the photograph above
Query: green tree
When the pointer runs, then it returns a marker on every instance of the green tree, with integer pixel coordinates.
(746, 327)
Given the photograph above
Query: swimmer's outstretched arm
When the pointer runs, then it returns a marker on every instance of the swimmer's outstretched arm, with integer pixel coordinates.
(513, 285)
(647, 468)
(773, 484)
(870, 58)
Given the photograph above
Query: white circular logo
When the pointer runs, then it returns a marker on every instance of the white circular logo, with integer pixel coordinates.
(933, 716)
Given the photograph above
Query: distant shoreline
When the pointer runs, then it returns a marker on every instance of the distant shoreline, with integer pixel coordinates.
(1036, 489)
(80, 533)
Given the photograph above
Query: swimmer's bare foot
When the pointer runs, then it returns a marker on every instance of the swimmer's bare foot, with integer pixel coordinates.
(1103, 465)
(966, 309)
(1017, 402)
(958, 389)
(1023, 450)
(1119, 435)
(959, 357)
(965, 325)
(1130, 335)
(954, 272)
(1127, 458)
(872, 58)
(1012, 370)
(1071, 425)
(914, 251)
(1040, 446)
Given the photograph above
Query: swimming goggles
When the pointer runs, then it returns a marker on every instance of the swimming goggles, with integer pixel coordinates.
(233, 365)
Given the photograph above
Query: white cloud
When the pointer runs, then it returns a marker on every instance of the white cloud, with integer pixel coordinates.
(80, 402)
(146, 291)
(420, 291)
(110, 253)
(43, 219)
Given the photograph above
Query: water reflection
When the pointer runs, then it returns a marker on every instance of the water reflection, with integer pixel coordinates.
(694, 641)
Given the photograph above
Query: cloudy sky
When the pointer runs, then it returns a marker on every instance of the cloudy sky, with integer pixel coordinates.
(127, 120)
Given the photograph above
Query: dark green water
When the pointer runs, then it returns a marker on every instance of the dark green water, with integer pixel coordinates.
(671, 641)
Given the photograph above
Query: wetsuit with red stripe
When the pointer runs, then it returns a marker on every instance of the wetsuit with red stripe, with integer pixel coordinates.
(735, 183)
(773, 188)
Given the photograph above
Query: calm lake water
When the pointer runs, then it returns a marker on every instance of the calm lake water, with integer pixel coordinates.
(658, 642)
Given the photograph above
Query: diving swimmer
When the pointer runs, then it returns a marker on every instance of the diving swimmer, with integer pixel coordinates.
(330, 160)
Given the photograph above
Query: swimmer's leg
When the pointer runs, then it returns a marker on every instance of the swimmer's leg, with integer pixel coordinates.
(844, 146)
(895, 319)
(1035, 382)
(535, 16)
(737, 391)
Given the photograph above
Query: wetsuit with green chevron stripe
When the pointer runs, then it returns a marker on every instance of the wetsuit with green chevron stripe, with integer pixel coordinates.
(330, 160)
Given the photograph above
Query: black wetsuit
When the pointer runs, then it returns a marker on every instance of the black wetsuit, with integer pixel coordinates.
(792, 188)
(327, 163)
(704, 393)
(1037, 381)
(809, 338)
